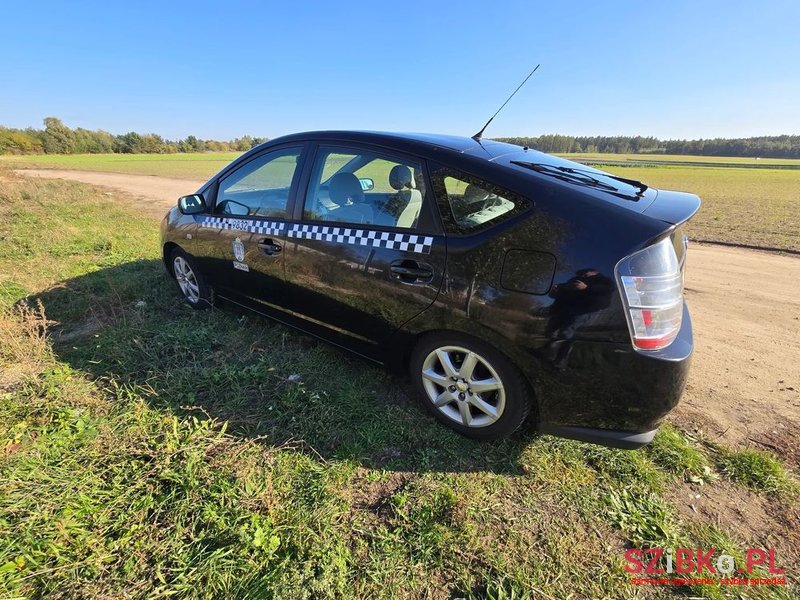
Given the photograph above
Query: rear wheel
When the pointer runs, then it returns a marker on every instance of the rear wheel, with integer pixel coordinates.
(196, 292)
(469, 386)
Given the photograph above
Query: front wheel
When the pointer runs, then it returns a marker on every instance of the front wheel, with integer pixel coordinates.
(469, 386)
(196, 292)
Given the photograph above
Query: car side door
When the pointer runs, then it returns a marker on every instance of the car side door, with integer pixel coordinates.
(365, 253)
(240, 243)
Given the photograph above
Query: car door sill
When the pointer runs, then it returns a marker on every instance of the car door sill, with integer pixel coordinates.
(291, 321)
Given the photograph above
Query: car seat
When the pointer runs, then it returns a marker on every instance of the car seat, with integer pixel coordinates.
(345, 190)
(402, 180)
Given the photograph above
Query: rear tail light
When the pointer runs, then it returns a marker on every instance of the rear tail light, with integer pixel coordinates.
(651, 285)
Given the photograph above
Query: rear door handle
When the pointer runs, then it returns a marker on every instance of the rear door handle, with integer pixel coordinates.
(269, 247)
(415, 272)
(409, 270)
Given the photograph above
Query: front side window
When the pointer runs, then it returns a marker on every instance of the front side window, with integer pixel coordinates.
(260, 188)
(473, 204)
(364, 187)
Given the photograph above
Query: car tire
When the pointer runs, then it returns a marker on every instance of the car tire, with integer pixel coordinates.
(196, 291)
(469, 386)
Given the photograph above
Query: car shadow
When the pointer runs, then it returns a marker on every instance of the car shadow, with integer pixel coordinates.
(128, 324)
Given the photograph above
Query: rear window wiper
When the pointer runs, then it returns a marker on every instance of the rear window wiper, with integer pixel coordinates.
(581, 176)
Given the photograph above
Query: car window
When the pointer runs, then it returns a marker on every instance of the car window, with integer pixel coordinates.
(473, 204)
(260, 188)
(364, 188)
(379, 171)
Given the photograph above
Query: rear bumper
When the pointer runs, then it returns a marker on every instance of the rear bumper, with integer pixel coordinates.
(626, 440)
(612, 394)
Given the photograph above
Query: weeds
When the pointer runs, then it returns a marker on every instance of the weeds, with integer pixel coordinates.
(755, 469)
(672, 452)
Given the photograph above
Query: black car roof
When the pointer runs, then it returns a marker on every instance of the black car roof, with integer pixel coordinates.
(419, 143)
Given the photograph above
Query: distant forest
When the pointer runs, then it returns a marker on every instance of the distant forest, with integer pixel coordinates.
(777, 146)
(57, 138)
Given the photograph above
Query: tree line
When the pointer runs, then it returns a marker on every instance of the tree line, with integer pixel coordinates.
(777, 146)
(57, 138)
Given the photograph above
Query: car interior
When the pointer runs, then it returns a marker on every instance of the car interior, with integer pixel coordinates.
(367, 189)
(473, 205)
(254, 203)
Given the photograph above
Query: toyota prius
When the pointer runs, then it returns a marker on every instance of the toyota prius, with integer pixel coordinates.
(506, 283)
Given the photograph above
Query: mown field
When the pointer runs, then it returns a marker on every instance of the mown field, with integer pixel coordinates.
(686, 158)
(181, 166)
(151, 451)
(741, 204)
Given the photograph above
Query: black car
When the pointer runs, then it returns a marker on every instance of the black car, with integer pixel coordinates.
(505, 281)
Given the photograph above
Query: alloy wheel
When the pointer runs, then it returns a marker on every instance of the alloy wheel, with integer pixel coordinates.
(186, 279)
(463, 386)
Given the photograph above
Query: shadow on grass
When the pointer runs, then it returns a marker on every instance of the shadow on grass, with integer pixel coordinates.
(127, 326)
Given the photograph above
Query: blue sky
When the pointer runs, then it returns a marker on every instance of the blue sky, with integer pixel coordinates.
(672, 69)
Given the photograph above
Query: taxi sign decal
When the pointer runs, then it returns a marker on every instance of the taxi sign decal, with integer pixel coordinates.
(406, 242)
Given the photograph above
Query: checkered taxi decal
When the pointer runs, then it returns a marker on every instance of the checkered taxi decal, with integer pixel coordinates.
(247, 225)
(405, 242)
(364, 237)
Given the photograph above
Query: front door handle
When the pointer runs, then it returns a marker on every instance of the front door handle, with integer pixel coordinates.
(269, 247)
(410, 271)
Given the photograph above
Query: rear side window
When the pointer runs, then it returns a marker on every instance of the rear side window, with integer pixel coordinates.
(259, 188)
(471, 204)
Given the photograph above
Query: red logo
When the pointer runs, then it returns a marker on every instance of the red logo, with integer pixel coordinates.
(700, 566)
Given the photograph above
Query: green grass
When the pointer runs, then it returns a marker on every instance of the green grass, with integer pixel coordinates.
(741, 206)
(673, 452)
(756, 469)
(148, 450)
(194, 166)
(683, 158)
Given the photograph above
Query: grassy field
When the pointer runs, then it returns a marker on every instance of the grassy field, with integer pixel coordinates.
(741, 205)
(150, 451)
(181, 166)
(685, 158)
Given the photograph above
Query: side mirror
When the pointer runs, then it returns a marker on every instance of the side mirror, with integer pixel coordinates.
(192, 204)
(367, 184)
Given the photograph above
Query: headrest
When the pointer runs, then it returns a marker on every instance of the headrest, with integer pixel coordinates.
(400, 177)
(343, 187)
(475, 193)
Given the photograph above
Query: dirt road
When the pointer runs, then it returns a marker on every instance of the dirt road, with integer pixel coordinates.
(744, 388)
(158, 193)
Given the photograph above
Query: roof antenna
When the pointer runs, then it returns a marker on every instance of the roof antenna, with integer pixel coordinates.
(477, 136)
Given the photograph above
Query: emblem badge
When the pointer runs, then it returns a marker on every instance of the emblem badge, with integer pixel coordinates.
(238, 249)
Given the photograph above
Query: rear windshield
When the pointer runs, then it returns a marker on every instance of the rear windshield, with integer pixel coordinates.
(573, 173)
